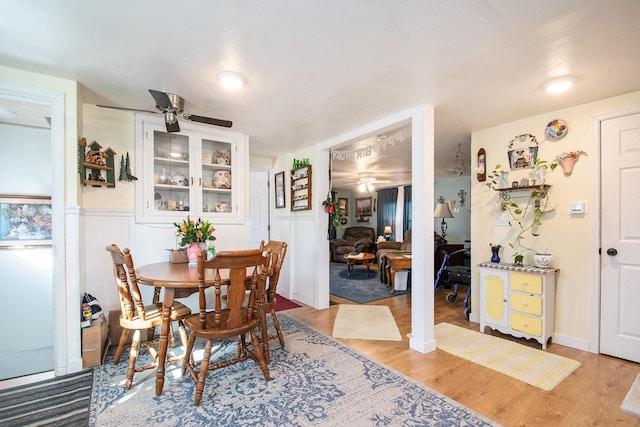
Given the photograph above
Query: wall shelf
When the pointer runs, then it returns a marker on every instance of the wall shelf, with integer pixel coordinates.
(505, 193)
(301, 188)
(92, 162)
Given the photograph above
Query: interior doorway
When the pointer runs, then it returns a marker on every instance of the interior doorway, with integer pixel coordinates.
(620, 237)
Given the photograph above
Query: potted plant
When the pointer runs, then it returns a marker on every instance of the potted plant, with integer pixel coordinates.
(568, 159)
(194, 235)
(527, 216)
(329, 205)
(333, 209)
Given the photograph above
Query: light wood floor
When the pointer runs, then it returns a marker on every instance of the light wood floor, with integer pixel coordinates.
(590, 396)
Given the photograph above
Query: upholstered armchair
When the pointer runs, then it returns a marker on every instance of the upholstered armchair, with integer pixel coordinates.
(355, 239)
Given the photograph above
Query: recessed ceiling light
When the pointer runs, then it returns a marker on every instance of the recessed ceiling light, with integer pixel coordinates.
(6, 114)
(558, 85)
(231, 80)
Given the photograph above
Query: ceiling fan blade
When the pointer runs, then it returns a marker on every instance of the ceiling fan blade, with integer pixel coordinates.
(208, 120)
(162, 100)
(126, 109)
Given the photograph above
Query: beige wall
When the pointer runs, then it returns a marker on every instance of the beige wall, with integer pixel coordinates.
(116, 130)
(568, 238)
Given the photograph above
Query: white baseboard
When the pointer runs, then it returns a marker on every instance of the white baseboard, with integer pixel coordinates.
(571, 342)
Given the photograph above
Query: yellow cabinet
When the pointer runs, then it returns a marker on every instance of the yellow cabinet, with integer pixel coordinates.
(519, 301)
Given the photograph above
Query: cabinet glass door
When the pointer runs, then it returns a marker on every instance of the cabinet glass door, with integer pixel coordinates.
(217, 185)
(171, 175)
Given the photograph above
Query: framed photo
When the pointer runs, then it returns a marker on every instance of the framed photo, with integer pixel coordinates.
(523, 152)
(25, 220)
(343, 204)
(280, 197)
(364, 207)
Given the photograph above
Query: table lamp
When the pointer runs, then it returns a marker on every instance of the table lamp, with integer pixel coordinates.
(387, 232)
(443, 211)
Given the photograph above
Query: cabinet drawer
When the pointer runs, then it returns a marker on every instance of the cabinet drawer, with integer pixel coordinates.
(526, 283)
(527, 324)
(526, 304)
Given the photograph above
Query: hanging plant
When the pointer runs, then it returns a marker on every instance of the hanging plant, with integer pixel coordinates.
(334, 211)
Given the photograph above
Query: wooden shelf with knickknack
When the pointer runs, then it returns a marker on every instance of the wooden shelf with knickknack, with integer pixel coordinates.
(505, 193)
(301, 188)
(94, 163)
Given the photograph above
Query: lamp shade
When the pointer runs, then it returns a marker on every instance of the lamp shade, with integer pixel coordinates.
(442, 211)
(387, 229)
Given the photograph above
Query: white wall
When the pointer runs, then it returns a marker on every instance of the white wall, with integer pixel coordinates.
(571, 240)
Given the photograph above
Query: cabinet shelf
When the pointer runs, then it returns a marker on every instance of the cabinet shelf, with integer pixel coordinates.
(171, 187)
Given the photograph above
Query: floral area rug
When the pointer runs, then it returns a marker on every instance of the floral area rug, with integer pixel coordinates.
(316, 381)
(358, 287)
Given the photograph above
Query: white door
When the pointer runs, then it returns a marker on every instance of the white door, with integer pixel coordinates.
(259, 207)
(620, 231)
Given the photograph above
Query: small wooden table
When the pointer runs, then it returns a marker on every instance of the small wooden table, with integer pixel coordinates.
(395, 263)
(178, 281)
(362, 258)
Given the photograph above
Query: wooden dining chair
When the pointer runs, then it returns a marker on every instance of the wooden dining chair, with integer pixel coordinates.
(135, 315)
(278, 251)
(228, 269)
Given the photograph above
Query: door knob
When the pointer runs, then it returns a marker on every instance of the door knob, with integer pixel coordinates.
(612, 252)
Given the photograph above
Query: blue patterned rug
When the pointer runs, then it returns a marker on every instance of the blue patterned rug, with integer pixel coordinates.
(357, 287)
(316, 381)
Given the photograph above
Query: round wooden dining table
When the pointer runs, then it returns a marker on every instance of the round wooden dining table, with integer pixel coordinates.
(179, 281)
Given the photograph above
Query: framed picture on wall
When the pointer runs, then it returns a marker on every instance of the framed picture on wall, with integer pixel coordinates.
(343, 204)
(280, 197)
(25, 220)
(364, 206)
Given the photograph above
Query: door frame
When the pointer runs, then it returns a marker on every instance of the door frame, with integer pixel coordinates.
(595, 258)
(66, 344)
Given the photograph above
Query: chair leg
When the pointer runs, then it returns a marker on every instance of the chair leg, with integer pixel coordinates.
(123, 340)
(133, 356)
(184, 337)
(188, 357)
(172, 339)
(204, 367)
(264, 332)
(259, 355)
(276, 325)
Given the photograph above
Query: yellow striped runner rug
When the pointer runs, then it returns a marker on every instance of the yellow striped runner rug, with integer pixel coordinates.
(536, 367)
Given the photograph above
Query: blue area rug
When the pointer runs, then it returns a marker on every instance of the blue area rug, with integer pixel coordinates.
(358, 288)
(316, 381)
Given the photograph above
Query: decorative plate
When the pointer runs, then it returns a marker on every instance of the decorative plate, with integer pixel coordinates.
(556, 129)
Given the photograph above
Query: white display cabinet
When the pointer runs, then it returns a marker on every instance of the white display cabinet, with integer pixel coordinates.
(198, 171)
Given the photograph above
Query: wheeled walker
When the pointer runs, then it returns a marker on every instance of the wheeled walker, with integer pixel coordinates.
(457, 275)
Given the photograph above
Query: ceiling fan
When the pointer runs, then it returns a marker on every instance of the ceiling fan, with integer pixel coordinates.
(172, 106)
(366, 181)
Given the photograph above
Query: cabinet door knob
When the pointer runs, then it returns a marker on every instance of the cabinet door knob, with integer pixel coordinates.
(524, 283)
(524, 324)
(524, 304)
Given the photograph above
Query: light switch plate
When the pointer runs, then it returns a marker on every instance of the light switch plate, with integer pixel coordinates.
(577, 208)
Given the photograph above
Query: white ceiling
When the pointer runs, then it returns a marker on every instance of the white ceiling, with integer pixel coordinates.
(318, 68)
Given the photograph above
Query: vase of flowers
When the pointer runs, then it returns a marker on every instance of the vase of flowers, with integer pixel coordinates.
(194, 235)
(568, 159)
